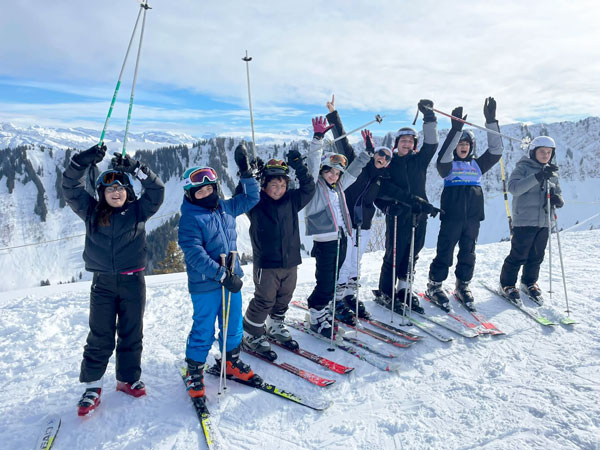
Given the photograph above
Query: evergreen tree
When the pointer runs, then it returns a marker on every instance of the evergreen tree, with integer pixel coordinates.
(173, 262)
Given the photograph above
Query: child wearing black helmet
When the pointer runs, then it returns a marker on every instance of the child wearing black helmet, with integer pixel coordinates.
(115, 251)
(533, 184)
(275, 236)
(462, 205)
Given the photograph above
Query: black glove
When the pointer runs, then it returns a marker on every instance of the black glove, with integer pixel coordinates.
(92, 155)
(456, 124)
(489, 110)
(241, 160)
(294, 159)
(548, 171)
(424, 106)
(232, 282)
(368, 138)
(124, 164)
(394, 210)
(556, 201)
(420, 205)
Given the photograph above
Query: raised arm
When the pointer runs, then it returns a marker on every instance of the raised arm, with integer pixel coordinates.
(343, 145)
(495, 146)
(446, 153)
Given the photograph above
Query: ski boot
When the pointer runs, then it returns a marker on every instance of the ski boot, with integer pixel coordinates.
(435, 293)
(194, 378)
(136, 389)
(385, 300)
(464, 295)
(235, 367)
(277, 330)
(344, 314)
(534, 292)
(320, 321)
(415, 305)
(259, 345)
(350, 301)
(89, 401)
(511, 294)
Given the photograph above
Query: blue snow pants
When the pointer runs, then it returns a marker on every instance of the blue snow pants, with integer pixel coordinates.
(207, 307)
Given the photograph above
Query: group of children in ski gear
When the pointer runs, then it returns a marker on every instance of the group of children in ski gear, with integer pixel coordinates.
(338, 192)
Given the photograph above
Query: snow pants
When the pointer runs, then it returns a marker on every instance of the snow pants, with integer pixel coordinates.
(349, 268)
(527, 248)
(273, 290)
(403, 238)
(463, 232)
(325, 254)
(208, 306)
(117, 305)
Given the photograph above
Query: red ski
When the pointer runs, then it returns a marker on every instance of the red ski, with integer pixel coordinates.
(333, 366)
(479, 317)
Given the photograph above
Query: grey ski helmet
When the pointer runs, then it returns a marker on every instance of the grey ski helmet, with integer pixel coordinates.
(541, 141)
(407, 131)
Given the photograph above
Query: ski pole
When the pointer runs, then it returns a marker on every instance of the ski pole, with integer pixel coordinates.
(337, 261)
(548, 207)
(377, 119)
(222, 383)
(247, 59)
(505, 193)
(394, 269)
(357, 273)
(562, 266)
(410, 274)
(145, 7)
(524, 142)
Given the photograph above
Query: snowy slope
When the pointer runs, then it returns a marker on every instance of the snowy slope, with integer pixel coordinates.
(534, 388)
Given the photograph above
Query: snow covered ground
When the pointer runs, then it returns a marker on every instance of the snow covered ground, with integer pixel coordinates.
(536, 387)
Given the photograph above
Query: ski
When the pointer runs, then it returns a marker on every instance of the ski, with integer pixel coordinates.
(464, 322)
(49, 432)
(367, 347)
(203, 416)
(565, 320)
(317, 359)
(392, 329)
(429, 329)
(528, 312)
(374, 334)
(479, 317)
(347, 348)
(464, 332)
(304, 374)
(269, 389)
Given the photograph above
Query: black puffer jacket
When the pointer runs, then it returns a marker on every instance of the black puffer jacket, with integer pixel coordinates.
(274, 228)
(120, 246)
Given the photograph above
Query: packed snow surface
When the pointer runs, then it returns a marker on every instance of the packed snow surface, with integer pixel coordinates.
(536, 387)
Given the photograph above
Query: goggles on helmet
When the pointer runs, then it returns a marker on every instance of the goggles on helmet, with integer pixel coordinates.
(336, 159)
(110, 177)
(200, 176)
(276, 164)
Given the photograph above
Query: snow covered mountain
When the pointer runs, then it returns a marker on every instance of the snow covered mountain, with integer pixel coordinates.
(535, 388)
(41, 239)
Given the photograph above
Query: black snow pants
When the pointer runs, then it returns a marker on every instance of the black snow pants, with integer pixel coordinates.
(527, 248)
(325, 274)
(463, 232)
(403, 238)
(273, 290)
(117, 305)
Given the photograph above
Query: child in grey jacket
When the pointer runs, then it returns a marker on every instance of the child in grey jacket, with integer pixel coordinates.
(533, 177)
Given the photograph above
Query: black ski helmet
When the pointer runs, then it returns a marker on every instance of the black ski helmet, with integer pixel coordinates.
(110, 177)
(467, 136)
(407, 131)
(274, 168)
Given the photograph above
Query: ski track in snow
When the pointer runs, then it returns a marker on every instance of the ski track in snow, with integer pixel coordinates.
(537, 387)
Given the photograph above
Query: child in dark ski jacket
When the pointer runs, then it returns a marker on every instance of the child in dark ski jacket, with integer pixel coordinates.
(532, 178)
(274, 231)
(403, 199)
(115, 251)
(360, 198)
(461, 205)
(207, 231)
(328, 222)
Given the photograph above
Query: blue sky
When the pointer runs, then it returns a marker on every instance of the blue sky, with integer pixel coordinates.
(61, 60)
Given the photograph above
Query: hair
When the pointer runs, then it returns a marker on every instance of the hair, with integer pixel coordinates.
(267, 179)
(103, 211)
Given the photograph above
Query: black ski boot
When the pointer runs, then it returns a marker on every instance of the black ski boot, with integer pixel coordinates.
(435, 293)
(511, 294)
(259, 345)
(344, 314)
(534, 292)
(415, 305)
(464, 295)
(350, 301)
(194, 378)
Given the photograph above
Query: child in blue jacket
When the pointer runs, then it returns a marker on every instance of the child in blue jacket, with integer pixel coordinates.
(207, 230)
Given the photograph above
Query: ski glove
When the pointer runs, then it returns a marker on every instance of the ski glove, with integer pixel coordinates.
(556, 201)
(549, 171)
(232, 282)
(369, 144)
(489, 110)
(320, 127)
(129, 165)
(457, 125)
(425, 107)
(92, 155)
(241, 160)
(294, 159)
(394, 210)
(420, 205)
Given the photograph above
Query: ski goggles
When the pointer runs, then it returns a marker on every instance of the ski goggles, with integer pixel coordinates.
(203, 175)
(276, 164)
(337, 159)
(384, 153)
(111, 177)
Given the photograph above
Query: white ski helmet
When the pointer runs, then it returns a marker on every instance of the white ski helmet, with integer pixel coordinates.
(334, 161)
(407, 131)
(541, 141)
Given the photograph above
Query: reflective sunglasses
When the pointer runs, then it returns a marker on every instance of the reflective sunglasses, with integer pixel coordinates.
(111, 177)
(384, 154)
(202, 175)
